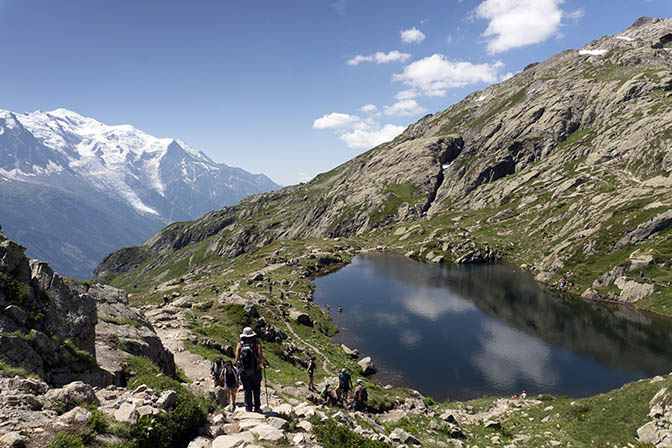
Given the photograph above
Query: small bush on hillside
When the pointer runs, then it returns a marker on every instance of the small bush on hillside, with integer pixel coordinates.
(65, 440)
(332, 435)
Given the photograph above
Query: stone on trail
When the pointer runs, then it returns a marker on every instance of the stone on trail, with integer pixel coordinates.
(233, 440)
(127, 412)
(200, 442)
(267, 432)
(277, 423)
(73, 394)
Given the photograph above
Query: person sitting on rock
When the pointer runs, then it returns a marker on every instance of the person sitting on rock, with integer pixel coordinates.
(217, 375)
(344, 385)
(311, 372)
(327, 396)
(249, 359)
(230, 376)
(361, 396)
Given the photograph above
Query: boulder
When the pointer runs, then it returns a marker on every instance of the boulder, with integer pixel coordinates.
(233, 440)
(200, 442)
(300, 317)
(167, 399)
(368, 368)
(353, 353)
(266, 432)
(127, 412)
(76, 415)
(631, 291)
(13, 439)
(73, 394)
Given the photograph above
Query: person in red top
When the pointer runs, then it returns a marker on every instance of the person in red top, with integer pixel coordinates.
(249, 359)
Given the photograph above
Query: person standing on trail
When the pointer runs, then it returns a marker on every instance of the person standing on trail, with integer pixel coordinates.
(230, 377)
(249, 359)
(344, 385)
(311, 372)
(361, 396)
(217, 375)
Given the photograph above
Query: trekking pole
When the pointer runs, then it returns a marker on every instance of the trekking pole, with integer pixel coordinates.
(266, 387)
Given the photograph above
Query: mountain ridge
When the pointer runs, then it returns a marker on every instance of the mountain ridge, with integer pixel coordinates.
(544, 170)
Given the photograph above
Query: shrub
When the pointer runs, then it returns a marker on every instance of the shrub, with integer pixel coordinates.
(177, 426)
(332, 435)
(65, 440)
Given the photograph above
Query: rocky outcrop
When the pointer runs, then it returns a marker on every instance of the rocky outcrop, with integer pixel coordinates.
(123, 330)
(64, 330)
(46, 327)
(658, 431)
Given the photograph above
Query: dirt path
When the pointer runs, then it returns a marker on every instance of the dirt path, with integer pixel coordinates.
(326, 363)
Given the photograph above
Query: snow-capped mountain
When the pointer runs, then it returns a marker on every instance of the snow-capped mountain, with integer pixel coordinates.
(112, 185)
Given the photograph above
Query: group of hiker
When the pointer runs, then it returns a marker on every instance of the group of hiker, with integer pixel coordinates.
(360, 396)
(246, 369)
(249, 361)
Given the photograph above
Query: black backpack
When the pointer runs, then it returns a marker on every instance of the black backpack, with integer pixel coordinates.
(247, 357)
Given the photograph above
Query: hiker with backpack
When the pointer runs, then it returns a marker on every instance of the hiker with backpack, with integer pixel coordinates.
(361, 396)
(311, 372)
(249, 359)
(344, 385)
(217, 375)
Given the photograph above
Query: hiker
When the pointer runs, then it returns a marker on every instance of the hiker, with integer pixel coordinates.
(230, 377)
(523, 395)
(327, 396)
(340, 309)
(216, 373)
(311, 372)
(344, 384)
(249, 359)
(361, 396)
(165, 300)
(328, 308)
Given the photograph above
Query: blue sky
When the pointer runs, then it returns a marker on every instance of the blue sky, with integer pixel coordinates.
(279, 87)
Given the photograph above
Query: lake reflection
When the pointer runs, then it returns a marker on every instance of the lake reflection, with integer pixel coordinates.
(460, 332)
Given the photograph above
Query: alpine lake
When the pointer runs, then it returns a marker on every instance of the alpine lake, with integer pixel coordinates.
(462, 332)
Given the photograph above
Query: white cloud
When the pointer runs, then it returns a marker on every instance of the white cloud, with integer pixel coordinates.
(405, 108)
(364, 139)
(412, 36)
(336, 121)
(517, 23)
(575, 15)
(406, 94)
(434, 74)
(507, 76)
(357, 132)
(368, 108)
(380, 58)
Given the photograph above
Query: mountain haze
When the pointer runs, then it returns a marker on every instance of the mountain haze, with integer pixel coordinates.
(73, 189)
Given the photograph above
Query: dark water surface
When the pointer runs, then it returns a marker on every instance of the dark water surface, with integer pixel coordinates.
(461, 332)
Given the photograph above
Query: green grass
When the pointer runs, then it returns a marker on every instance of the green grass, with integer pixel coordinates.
(331, 435)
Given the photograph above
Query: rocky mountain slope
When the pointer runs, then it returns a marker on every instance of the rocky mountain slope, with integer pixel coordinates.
(74, 189)
(562, 169)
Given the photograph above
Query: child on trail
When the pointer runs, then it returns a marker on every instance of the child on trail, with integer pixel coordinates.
(216, 373)
(230, 377)
(344, 385)
(361, 397)
(311, 371)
